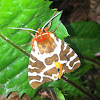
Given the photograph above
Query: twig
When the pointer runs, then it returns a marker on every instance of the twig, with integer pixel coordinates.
(78, 87)
(14, 45)
(92, 60)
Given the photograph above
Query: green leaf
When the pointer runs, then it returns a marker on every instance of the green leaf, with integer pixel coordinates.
(67, 89)
(85, 38)
(53, 93)
(13, 59)
(58, 93)
(85, 41)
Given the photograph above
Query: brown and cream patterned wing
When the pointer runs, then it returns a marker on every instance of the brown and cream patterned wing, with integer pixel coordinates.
(34, 69)
(72, 59)
(40, 72)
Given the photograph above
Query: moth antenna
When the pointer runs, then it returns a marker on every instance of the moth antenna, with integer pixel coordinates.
(29, 33)
(24, 29)
(50, 20)
(49, 25)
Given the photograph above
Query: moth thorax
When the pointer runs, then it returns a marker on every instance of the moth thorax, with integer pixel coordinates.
(46, 46)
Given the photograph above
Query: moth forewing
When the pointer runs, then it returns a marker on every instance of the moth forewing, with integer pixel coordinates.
(67, 56)
(42, 66)
(40, 70)
(72, 59)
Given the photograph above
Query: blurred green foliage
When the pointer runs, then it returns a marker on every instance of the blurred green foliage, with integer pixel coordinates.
(84, 39)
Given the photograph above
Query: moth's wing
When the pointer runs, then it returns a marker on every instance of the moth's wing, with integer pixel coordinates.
(40, 72)
(33, 71)
(72, 59)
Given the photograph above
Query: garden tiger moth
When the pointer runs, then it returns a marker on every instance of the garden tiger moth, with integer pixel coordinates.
(50, 57)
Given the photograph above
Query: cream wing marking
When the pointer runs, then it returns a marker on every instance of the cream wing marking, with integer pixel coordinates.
(42, 74)
(30, 59)
(70, 50)
(71, 59)
(30, 66)
(65, 46)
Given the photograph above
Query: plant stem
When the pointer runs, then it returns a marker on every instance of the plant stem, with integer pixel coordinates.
(14, 45)
(78, 87)
(92, 60)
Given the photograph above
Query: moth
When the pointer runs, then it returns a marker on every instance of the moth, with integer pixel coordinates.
(50, 57)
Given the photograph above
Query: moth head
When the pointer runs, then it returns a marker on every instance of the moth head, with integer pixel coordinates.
(44, 41)
(41, 35)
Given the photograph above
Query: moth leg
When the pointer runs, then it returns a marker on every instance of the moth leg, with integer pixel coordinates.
(31, 43)
(25, 44)
(49, 25)
(59, 67)
(29, 33)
